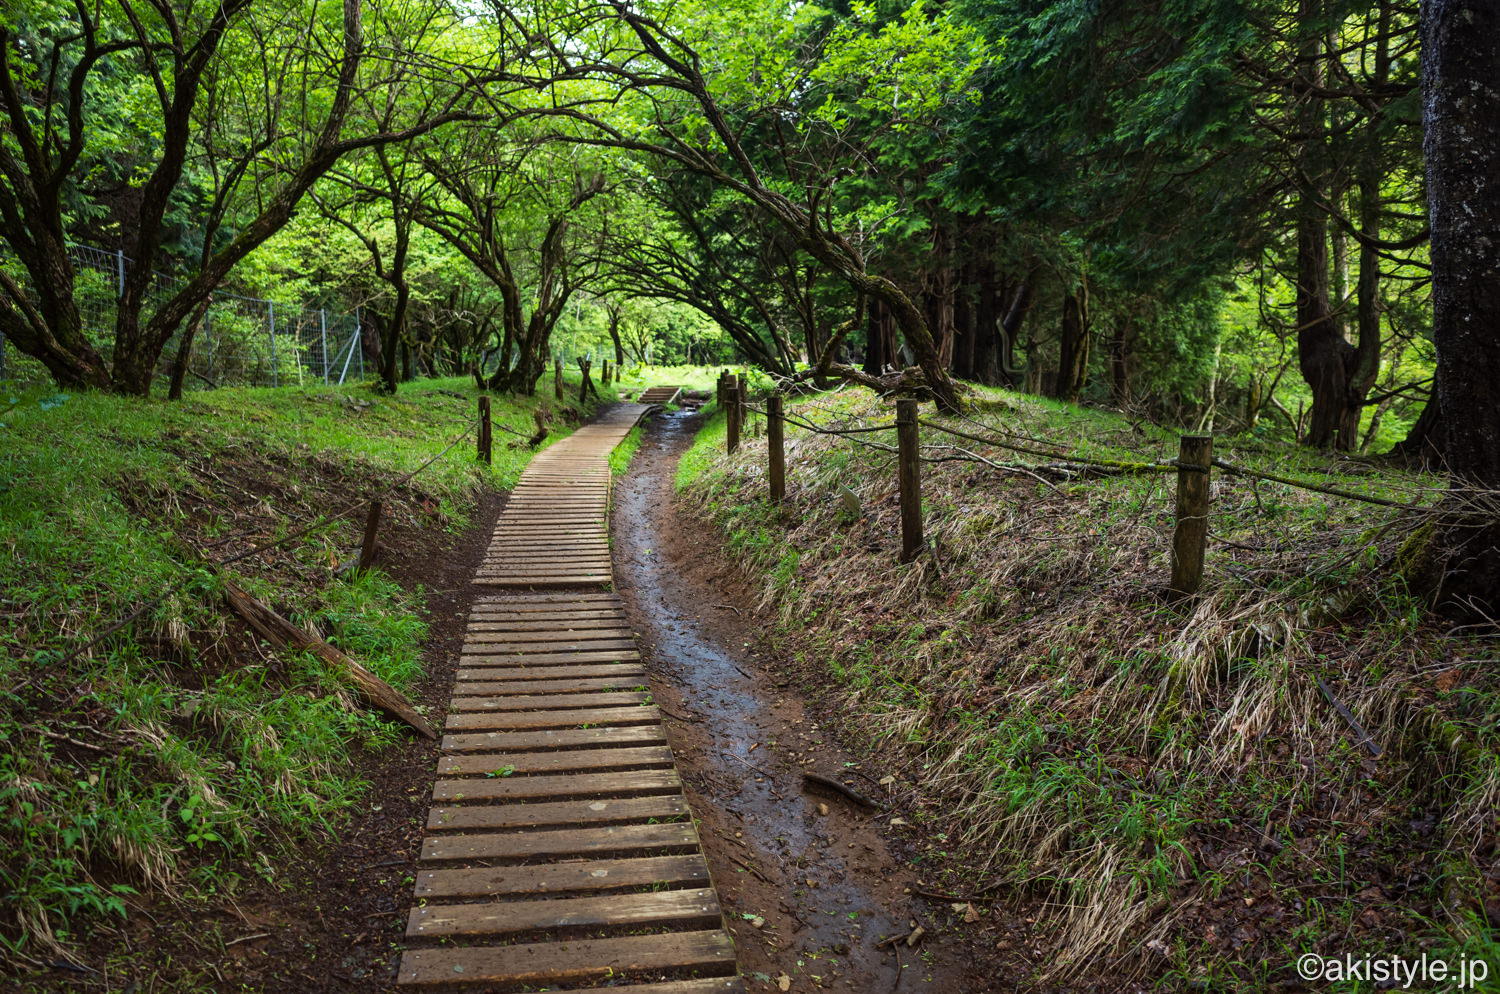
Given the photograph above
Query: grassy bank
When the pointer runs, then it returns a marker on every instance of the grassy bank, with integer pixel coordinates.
(1169, 791)
(178, 754)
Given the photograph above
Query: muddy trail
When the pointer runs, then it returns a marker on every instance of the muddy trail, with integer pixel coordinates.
(812, 889)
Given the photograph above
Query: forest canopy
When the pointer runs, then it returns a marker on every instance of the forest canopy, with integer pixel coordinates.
(1207, 213)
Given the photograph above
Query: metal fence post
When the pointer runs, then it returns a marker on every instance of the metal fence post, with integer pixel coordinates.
(208, 337)
(271, 311)
(323, 329)
(120, 272)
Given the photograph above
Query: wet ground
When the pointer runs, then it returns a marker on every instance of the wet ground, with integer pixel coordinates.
(815, 896)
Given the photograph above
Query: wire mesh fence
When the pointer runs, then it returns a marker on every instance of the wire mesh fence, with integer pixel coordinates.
(241, 341)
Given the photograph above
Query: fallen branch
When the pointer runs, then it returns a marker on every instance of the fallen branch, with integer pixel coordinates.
(837, 787)
(1350, 720)
(980, 898)
(283, 634)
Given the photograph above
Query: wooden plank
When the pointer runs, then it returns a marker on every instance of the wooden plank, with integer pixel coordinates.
(559, 878)
(550, 629)
(553, 738)
(559, 842)
(508, 644)
(500, 687)
(542, 615)
(571, 718)
(552, 963)
(580, 549)
(545, 598)
(556, 630)
(553, 762)
(557, 813)
(542, 670)
(481, 655)
(699, 908)
(534, 788)
(547, 613)
(546, 621)
(565, 562)
(529, 702)
(529, 582)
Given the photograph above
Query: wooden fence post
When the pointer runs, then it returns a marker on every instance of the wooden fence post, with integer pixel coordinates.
(484, 430)
(719, 391)
(367, 547)
(1194, 453)
(557, 379)
(604, 373)
(732, 414)
(774, 441)
(910, 478)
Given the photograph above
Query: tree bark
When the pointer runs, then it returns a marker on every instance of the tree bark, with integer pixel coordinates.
(1119, 373)
(1073, 352)
(1461, 128)
(1461, 118)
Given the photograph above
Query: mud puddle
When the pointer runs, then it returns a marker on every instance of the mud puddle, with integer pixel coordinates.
(811, 890)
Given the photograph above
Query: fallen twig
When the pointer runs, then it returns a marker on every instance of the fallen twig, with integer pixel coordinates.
(834, 785)
(739, 862)
(730, 607)
(752, 766)
(980, 898)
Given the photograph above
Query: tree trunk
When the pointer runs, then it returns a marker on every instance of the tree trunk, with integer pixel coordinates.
(1461, 116)
(1364, 364)
(1426, 442)
(1010, 330)
(1119, 374)
(185, 350)
(1073, 352)
(1460, 44)
(1323, 354)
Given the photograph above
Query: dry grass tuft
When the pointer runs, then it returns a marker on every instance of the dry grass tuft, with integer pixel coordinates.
(1146, 767)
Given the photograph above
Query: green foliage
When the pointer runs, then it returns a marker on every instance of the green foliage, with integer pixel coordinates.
(193, 756)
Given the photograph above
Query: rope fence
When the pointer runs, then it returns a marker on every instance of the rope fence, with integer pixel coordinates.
(1193, 467)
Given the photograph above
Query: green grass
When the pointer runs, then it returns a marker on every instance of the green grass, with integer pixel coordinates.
(177, 746)
(620, 457)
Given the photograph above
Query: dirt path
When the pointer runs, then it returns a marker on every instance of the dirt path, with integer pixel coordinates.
(808, 880)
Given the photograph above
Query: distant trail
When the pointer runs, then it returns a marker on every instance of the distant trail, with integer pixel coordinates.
(559, 847)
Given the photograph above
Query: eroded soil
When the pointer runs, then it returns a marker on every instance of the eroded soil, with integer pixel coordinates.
(817, 894)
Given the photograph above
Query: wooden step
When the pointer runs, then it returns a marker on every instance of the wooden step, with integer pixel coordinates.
(571, 962)
(473, 817)
(541, 702)
(540, 788)
(553, 762)
(698, 908)
(559, 842)
(570, 718)
(498, 687)
(554, 738)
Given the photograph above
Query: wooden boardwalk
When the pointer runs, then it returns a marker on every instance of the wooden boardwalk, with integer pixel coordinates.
(560, 852)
